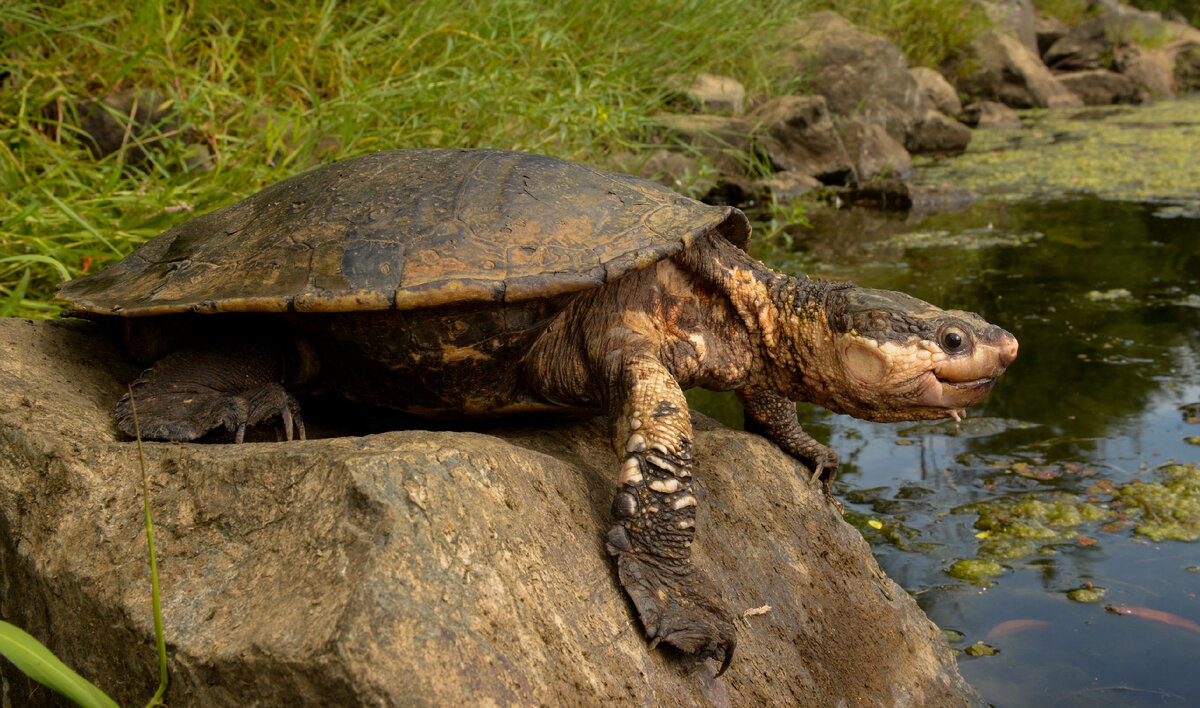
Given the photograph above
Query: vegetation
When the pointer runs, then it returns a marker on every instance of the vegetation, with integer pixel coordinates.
(261, 91)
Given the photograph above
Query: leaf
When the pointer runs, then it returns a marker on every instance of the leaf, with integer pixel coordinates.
(875, 524)
(9, 306)
(40, 664)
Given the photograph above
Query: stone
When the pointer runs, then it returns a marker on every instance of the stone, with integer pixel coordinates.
(1149, 69)
(1083, 47)
(128, 117)
(723, 142)
(1013, 75)
(990, 114)
(1014, 18)
(414, 567)
(1048, 30)
(1101, 87)
(786, 187)
(937, 134)
(848, 66)
(710, 93)
(937, 89)
(798, 135)
(874, 152)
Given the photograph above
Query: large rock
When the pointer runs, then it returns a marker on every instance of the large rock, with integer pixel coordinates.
(414, 567)
(935, 133)
(1150, 69)
(937, 89)
(710, 93)
(850, 67)
(990, 114)
(874, 152)
(798, 134)
(1084, 46)
(1048, 30)
(1013, 75)
(1101, 87)
(1014, 18)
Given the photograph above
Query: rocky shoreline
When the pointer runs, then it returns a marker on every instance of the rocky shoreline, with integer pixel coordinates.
(869, 112)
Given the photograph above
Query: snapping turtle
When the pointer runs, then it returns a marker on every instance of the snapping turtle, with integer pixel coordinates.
(485, 282)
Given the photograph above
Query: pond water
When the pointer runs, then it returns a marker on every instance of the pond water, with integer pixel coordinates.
(1062, 494)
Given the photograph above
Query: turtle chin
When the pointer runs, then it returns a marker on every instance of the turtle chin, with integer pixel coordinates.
(952, 396)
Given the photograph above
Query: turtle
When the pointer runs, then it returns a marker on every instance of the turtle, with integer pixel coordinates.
(472, 283)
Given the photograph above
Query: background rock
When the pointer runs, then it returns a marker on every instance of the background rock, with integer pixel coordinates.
(851, 67)
(874, 152)
(937, 89)
(989, 114)
(798, 135)
(414, 567)
(710, 93)
(1084, 46)
(1014, 18)
(936, 133)
(1049, 30)
(1013, 75)
(1101, 87)
(1148, 68)
(723, 141)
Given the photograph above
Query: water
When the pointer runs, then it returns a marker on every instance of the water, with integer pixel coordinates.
(1104, 297)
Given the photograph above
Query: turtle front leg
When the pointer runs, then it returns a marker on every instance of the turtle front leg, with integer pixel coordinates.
(192, 391)
(655, 517)
(775, 416)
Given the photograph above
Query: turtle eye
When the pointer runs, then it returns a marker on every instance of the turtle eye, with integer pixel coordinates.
(953, 340)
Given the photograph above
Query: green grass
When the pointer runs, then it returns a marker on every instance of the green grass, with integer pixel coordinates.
(263, 90)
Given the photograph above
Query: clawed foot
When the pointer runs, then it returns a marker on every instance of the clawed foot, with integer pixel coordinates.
(182, 414)
(679, 608)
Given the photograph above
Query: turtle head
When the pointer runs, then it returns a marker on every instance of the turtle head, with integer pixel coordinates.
(895, 357)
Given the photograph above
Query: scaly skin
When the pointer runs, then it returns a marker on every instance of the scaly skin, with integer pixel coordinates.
(714, 317)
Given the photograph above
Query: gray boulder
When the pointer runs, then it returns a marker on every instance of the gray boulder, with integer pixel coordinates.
(874, 152)
(1083, 47)
(1011, 74)
(1048, 30)
(786, 187)
(413, 567)
(798, 135)
(710, 93)
(1101, 87)
(935, 133)
(937, 89)
(989, 114)
(1150, 69)
(1014, 18)
(851, 67)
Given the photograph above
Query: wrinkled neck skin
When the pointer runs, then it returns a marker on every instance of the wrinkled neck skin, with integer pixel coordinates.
(873, 354)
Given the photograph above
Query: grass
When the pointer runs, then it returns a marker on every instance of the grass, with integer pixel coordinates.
(262, 90)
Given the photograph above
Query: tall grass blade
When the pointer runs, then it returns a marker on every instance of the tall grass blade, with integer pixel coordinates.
(155, 599)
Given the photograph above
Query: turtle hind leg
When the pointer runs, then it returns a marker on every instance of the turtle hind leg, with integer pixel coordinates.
(193, 391)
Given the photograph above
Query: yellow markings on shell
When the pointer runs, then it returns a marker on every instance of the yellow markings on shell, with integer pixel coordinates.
(452, 354)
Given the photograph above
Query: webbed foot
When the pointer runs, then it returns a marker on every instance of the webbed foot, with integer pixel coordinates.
(678, 608)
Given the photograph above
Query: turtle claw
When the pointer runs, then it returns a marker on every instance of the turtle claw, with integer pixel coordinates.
(678, 608)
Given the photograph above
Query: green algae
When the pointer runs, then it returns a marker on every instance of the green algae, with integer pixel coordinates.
(1170, 508)
(1148, 153)
(1086, 594)
(975, 570)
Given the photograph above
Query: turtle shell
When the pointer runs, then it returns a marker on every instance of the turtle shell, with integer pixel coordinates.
(408, 229)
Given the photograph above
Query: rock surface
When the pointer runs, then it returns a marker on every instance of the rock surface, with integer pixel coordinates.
(990, 114)
(414, 568)
(1101, 87)
(937, 89)
(1013, 75)
(798, 135)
